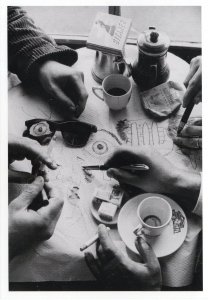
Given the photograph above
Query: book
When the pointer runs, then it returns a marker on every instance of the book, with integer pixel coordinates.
(109, 33)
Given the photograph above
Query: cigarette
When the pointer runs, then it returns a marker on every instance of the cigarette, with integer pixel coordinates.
(91, 241)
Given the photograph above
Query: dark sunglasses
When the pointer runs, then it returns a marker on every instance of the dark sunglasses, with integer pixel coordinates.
(75, 133)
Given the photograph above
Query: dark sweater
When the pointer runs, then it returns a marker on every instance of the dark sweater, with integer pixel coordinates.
(28, 46)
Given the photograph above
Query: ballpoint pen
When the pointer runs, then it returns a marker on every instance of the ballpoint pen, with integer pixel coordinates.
(130, 167)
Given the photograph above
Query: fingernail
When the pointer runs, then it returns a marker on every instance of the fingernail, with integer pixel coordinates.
(110, 173)
(142, 242)
(54, 165)
(39, 179)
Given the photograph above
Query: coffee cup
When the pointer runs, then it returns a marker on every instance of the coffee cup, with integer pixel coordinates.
(116, 90)
(154, 214)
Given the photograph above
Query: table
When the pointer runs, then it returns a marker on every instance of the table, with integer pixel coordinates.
(59, 258)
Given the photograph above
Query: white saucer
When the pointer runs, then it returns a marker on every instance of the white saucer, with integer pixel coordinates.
(169, 240)
(94, 210)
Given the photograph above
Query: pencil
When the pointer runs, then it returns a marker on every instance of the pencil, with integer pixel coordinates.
(185, 116)
(91, 241)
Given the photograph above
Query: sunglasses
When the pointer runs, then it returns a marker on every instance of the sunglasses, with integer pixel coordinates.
(75, 133)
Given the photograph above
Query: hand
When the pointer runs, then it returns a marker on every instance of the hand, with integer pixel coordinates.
(21, 148)
(28, 227)
(162, 176)
(115, 270)
(193, 82)
(191, 136)
(65, 85)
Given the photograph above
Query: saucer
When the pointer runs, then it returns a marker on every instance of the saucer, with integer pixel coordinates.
(170, 239)
(94, 210)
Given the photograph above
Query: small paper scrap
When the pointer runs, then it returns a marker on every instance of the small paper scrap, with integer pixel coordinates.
(163, 100)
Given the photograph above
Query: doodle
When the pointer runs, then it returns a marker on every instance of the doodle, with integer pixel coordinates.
(111, 134)
(178, 221)
(145, 133)
(88, 175)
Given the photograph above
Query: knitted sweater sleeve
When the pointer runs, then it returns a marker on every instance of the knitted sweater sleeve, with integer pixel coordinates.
(28, 46)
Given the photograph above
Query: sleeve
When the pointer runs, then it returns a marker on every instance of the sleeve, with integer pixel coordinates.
(28, 46)
(198, 207)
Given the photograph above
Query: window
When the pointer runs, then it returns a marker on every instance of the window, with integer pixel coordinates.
(181, 23)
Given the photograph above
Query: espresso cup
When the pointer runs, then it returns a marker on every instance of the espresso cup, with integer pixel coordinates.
(116, 90)
(154, 215)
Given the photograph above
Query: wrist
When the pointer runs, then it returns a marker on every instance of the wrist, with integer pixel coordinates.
(187, 185)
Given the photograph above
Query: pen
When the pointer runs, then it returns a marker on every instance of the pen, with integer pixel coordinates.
(133, 167)
(185, 116)
(91, 241)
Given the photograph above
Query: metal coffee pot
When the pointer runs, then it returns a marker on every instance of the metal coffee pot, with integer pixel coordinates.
(150, 68)
(106, 64)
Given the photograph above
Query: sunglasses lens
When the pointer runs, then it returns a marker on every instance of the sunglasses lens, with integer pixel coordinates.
(75, 139)
(39, 131)
(78, 134)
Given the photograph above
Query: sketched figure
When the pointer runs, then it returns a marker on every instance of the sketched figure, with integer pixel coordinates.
(109, 29)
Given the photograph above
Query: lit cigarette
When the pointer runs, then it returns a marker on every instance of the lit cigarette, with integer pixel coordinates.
(91, 241)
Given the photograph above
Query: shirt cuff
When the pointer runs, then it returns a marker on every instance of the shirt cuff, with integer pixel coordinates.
(198, 207)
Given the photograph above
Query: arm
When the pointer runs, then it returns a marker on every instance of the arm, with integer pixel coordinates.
(35, 57)
(162, 176)
(28, 46)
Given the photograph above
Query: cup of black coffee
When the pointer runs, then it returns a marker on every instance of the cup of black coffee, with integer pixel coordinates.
(116, 90)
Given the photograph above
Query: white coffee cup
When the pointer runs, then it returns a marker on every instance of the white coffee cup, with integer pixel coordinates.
(154, 215)
(116, 89)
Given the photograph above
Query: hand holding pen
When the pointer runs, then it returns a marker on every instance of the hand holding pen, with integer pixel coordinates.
(157, 179)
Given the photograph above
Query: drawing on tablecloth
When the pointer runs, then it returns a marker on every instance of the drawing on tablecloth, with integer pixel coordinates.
(178, 221)
(141, 132)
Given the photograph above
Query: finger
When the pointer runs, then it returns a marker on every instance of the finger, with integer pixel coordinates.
(198, 97)
(20, 177)
(195, 121)
(92, 265)
(80, 94)
(53, 210)
(122, 176)
(193, 88)
(192, 143)
(191, 131)
(109, 249)
(52, 191)
(124, 157)
(30, 192)
(192, 71)
(63, 99)
(36, 153)
(146, 253)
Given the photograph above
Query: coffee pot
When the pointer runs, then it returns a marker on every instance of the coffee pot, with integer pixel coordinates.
(106, 64)
(150, 68)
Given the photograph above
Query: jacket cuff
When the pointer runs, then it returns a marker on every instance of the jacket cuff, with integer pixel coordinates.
(198, 207)
(61, 54)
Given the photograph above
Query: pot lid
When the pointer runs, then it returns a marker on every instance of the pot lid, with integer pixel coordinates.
(153, 42)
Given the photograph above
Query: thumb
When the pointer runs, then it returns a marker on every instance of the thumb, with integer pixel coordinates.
(66, 102)
(31, 192)
(146, 253)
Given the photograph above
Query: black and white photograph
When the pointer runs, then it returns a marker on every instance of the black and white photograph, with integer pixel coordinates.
(104, 148)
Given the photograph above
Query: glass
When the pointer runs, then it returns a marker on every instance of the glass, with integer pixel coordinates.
(181, 23)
